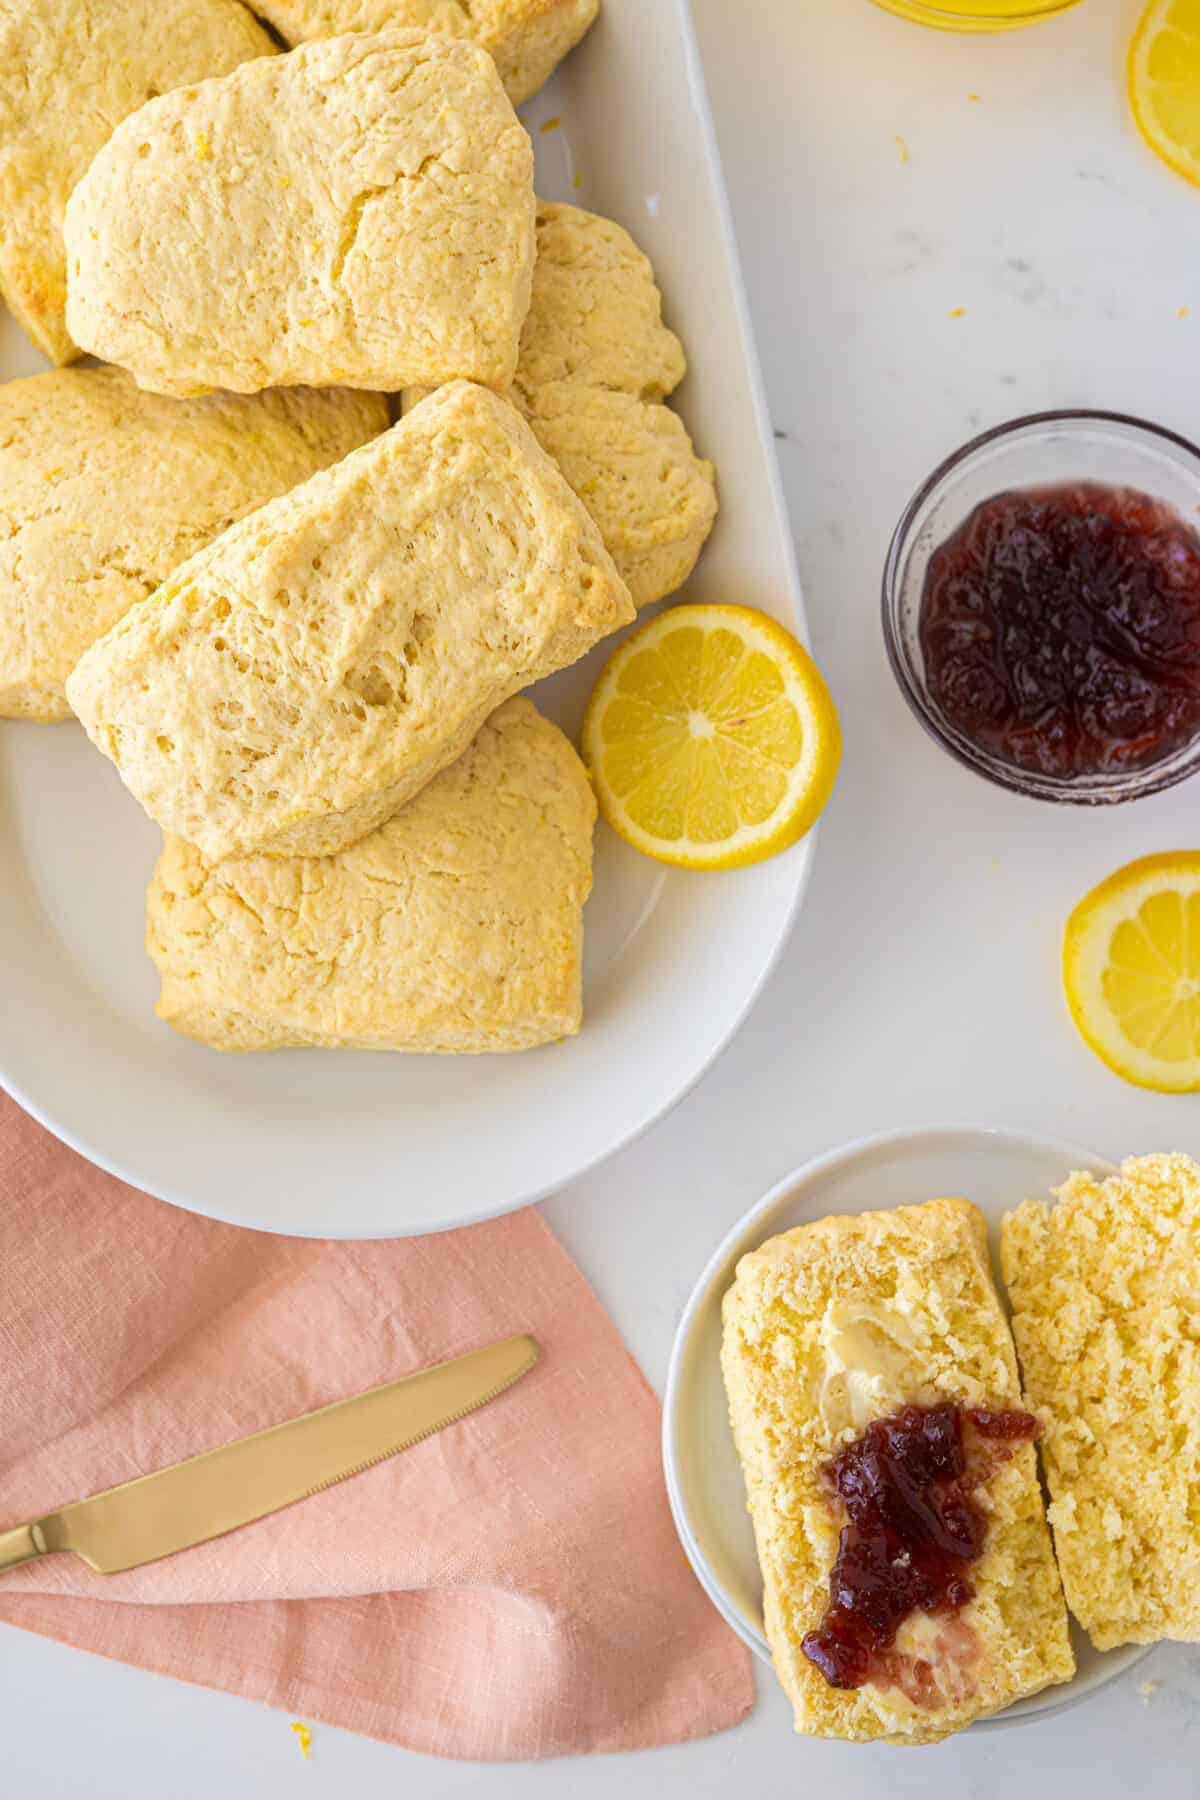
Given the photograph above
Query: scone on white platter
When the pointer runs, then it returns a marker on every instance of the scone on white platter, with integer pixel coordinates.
(358, 213)
(298, 680)
(104, 490)
(70, 70)
(595, 368)
(457, 926)
(527, 38)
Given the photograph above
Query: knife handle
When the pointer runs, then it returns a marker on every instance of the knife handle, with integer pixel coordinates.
(21, 1546)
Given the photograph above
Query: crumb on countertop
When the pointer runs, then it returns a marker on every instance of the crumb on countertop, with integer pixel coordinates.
(303, 1737)
(551, 124)
(1147, 1688)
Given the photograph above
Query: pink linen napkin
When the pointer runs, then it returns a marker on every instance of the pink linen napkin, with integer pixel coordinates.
(511, 1588)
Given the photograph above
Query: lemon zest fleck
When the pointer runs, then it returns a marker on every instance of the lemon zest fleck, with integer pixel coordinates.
(902, 149)
(303, 1737)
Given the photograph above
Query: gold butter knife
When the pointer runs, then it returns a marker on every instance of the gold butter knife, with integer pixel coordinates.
(208, 1495)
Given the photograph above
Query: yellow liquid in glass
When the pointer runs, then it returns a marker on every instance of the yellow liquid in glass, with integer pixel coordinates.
(976, 15)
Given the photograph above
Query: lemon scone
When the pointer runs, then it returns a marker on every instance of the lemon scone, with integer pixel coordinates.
(457, 926)
(69, 71)
(359, 213)
(104, 490)
(596, 363)
(909, 1584)
(1105, 1290)
(298, 680)
(526, 38)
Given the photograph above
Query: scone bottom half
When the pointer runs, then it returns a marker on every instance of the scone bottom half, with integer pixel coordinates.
(867, 1359)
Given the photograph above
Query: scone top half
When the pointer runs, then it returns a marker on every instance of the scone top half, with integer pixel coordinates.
(359, 212)
(297, 681)
(828, 1329)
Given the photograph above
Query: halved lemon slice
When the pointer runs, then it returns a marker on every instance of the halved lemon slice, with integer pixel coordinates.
(711, 738)
(1164, 82)
(1131, 969)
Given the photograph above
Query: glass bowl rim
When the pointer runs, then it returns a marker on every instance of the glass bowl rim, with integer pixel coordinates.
(937, 15)
(1135, 783)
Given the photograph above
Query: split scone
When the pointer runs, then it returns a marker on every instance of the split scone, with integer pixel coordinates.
(879, 1341)
(1105, 1289)
(526, 38)
(358, 213)
(70, 70)
(298, 680)
(104, 490)
(596, 364)
(457, 926)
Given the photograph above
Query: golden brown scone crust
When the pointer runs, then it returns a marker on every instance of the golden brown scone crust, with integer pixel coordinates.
(357, 213)
(457, 926)
(1105, 1289)
(296, 682)
(527, 38)
(926, 1267)
(104, 490)
(596, 364)
(70, 70)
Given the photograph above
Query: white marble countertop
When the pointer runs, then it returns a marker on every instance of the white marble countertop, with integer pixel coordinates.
(921, 983)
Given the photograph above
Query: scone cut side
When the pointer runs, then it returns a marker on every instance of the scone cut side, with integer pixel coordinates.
(526, 38)
(356, 213)
(455, 927)
(827, 1328)
(105, 490)
(296, 682)
(595, 369)
(1105, 1290)
(69, 71)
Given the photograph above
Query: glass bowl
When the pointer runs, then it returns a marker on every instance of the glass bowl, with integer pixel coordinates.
(1044, 449)
(977, 15)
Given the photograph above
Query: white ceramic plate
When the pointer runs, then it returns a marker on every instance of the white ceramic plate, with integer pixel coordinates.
(371, 1145)
(995, 1169)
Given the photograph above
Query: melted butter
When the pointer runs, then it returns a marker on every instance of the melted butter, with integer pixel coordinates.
(867, 1349)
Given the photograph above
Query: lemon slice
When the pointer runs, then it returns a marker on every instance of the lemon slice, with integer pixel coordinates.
(1164, 82)
(1131, 969)
(711, 738)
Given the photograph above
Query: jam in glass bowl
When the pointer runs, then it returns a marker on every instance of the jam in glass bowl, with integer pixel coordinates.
(1041, 606)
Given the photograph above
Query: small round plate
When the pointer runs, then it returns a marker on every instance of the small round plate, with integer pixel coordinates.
(995, 1169)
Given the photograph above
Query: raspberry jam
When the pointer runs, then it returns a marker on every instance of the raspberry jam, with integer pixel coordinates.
(1060, 629)
(913, 1529)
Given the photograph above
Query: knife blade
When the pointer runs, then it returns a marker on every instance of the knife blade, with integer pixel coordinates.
(220, 1490)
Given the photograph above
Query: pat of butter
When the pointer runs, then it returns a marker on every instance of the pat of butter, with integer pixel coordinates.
(867, 1349)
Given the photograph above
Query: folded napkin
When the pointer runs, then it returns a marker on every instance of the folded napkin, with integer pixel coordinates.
(510, 1588)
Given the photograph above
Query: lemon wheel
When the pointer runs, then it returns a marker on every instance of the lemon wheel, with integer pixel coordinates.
(1131, 969)
(1164, 82)
(711, 738)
